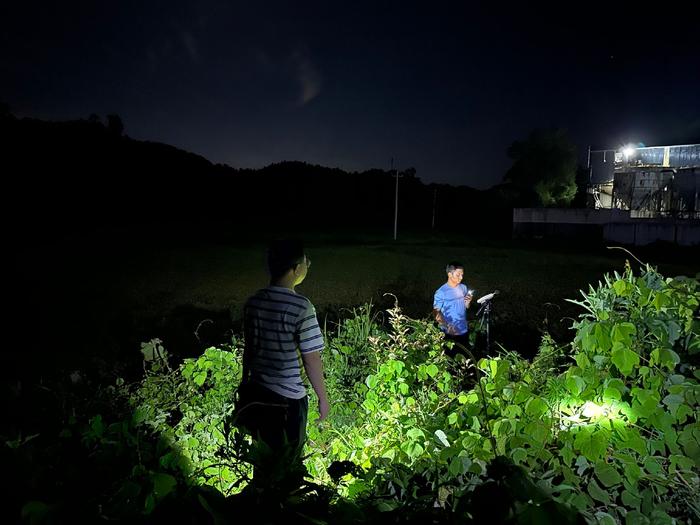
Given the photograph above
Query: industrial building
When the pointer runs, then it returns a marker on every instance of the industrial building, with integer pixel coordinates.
(636, 196)
(649, 182)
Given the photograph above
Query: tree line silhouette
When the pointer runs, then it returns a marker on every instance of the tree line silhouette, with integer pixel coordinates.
(85, 174)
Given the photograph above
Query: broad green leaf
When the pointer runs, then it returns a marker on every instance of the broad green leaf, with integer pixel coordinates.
(645, 402)
(676, 379)
(512, 411)
(617, 384)
(661, 300)
(163, 484)
(585, 338)
(567, 454)
(442, 437)
(149, 504)
(538, 431)
(607, 474)
(188, 369)
(575, 384)
(635, 517)
(673, 401)
(459, 465)
(582, 464)
(582, 502)
(97, 425)
(659, 517)
(412, 449)
(684, 411)
(611, 394)
(679, 462)
(604, 518)
(601, 335)
(689, 439)
(652, 465)
(582, 360)
(358, 486)
(622, 333)
(36, 512)
(624, 358)
(665, 357)
(387, 505)
(598, 493)
(415, 433)
(200, 377)
(536, 407)
(591, 443)
(622, 287)
(673, 331)
(518, 454)
(371, 381)
(503, 427)
(631, 500)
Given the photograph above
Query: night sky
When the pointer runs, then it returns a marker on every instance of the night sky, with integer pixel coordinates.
(442, 87)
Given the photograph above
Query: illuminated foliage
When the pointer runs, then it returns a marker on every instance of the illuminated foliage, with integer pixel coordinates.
(605, 428)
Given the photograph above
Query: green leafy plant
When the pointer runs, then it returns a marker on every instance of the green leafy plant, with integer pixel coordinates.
(604, 429)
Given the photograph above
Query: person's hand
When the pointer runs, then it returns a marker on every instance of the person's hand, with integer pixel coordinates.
(451, 329)
(323, 408)
(468, 299)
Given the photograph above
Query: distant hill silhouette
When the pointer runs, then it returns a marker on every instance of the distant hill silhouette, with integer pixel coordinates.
(83, 174)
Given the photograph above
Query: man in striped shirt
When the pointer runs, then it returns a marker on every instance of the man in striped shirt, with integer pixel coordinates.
(281, 334)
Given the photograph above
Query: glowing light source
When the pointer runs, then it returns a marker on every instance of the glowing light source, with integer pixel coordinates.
(593, 411)
(628, 151)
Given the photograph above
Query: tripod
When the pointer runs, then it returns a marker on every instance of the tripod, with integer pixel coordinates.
(484, 313)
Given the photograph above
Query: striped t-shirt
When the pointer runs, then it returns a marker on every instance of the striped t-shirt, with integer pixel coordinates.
(278, 324)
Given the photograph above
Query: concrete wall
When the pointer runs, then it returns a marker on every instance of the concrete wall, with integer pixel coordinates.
(610, 225)
(688, 234)
(540, 230)
(569, 215)
(646, 232)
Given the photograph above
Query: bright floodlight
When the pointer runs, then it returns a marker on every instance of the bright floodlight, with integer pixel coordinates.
(591, 410)
(628, 152)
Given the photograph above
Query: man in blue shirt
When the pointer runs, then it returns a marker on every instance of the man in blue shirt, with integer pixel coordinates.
(450, 308)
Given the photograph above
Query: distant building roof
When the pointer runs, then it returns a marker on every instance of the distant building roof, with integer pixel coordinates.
(604, 164)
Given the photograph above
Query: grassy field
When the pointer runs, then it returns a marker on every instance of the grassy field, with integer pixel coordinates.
(106, 296)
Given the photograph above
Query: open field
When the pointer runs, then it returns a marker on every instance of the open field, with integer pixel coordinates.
(100, 296)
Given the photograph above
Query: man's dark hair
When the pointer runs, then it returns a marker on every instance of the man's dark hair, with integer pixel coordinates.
(452, 266)
(283, 255)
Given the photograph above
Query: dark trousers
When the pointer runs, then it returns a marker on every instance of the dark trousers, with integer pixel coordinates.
(462, 340)
(272, 418)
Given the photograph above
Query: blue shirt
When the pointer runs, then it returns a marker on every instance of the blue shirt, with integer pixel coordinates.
(450, 302)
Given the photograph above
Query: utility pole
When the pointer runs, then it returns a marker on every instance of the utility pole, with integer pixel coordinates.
(588, 165)
(396, 200)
